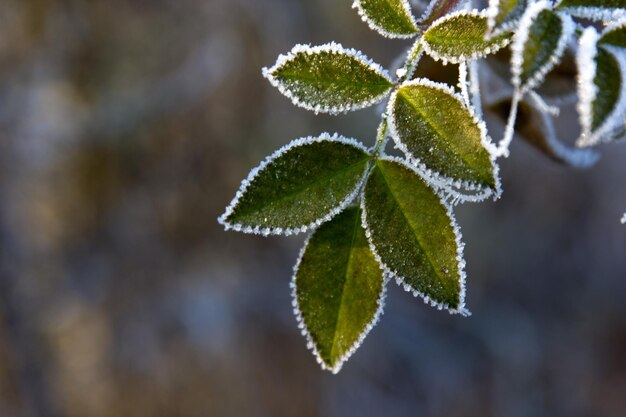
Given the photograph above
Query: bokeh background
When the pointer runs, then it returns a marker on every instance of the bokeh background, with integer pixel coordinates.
(125, 129)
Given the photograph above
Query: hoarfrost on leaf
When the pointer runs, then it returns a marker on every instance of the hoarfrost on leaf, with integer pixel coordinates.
(338, 289)
(414, 235)
(538, 44)
(462, 36)
(299, 187)
(390, 18)
(329, 78)
(441, 136)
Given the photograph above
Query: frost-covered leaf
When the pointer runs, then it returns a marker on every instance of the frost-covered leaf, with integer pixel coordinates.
(461, 36)
(538, 44)
(441, 136)
(614, 35)
(605, 10)
(503, 14)
(537, 128)
(414, 235)
(329, 78)
(338, 289)
(390, 18)
(601, 88)
(299, 187)
(437, 9)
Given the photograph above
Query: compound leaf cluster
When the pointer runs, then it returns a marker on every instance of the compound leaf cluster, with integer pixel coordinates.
(374, 218)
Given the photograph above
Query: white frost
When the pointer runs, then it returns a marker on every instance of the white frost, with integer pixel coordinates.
(266, 231)
(521, 38)
(576, 157)
(455, 188)
(305, 331)
(333, 48)
(455, 59)
(372, 25)
(389, 272)
(604, 14)
(588, 90)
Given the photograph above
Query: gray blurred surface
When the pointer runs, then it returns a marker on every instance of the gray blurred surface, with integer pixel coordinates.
(125, 128)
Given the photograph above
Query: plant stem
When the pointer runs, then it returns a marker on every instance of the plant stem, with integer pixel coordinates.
(381, 136)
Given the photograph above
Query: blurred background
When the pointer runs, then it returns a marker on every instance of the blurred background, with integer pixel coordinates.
(125, 129)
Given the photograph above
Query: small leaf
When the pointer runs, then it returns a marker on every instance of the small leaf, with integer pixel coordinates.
(605, 10)
(414, 235)
(390, 18)
(601, 88)
(433, 127)
(614, 35)
(329, 78)
(461, 36)
(338, 289)
(299, 187)
(503, 14)
(538, 44)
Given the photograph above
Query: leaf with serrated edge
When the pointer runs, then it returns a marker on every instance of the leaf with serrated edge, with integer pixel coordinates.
(338, 289)
(299, 187)
(601, 88)
(538, 44)
(598, 10)
(503, 15)
(329, 78)
(414, 236)
(390, 18)
(614, 35)
(461, 36)
(443, 139)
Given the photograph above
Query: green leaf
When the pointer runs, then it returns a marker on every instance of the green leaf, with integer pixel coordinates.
(338, 289)
(329, 78)
(299, 187)
(442, 137)
(614, 35)
(390, 18)
(601, 88)
(461, 36)
(502, 14)
(538, 44)
(605, 10)
(414, 234)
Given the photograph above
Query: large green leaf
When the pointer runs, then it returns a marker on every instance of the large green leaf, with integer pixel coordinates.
(390, 18)
(329, 78)
(614, 35)
(299, 187)
(538, 44)
(338, 289)
(461, 36)
(502, 14)
(414, 235)
(595, 9)
(440, 134)
(601, 89)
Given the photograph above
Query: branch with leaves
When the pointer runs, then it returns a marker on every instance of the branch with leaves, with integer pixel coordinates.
(374, 217)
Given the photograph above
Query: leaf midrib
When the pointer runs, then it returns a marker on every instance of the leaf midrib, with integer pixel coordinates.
(297, 76)
(415, 236)
(343, 289)
(401, 16)
(441, 135)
